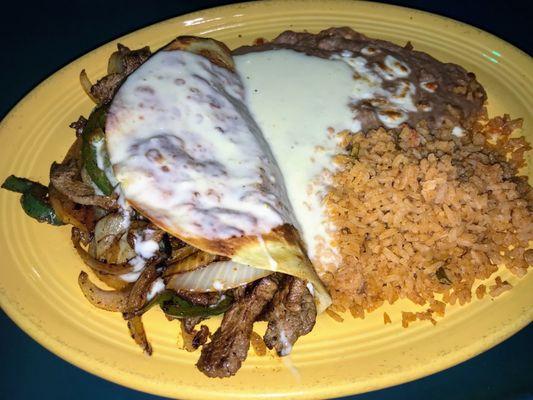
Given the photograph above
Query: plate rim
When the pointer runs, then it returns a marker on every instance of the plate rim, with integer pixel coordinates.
(121, 378)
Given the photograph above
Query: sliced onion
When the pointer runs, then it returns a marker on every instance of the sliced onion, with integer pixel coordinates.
(195, 260)
(113, 281)
(69, 212)
(112, 269)
(125, 251)
(114, 65)
(216, 277)
(187, 337)
(136, 327)
(181, 253)
(141, 287)
(108, 231)
(110, 243)
(110, 300)
(112, 224)
(86, 84)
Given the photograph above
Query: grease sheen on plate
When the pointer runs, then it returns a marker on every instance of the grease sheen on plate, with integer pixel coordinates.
(39, 291)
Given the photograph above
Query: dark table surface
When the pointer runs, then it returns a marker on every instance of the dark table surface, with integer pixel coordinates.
(40, 37)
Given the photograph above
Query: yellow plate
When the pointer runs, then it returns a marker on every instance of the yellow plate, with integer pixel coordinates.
(38, 287)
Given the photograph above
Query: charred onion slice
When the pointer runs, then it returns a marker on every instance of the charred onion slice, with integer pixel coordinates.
(217, 276)
(140, 289)
(110, 300)
(188, 338)
(86, 84)
(113, 281)
(81, 217)
(112, 269)
(196, 260)
(181, 253)
(124, 250)
(136, 327)
(108, 231)
(216, 52)
(114, 64)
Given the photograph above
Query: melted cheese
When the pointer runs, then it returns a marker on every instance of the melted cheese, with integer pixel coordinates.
(186, 150)
(157, 287)
(216, 154)
(300, 102)
(392, 106)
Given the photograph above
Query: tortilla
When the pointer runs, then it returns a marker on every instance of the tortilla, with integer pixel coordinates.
(190, 157)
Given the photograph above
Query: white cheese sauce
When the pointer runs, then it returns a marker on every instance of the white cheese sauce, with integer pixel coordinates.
(218, 286)
(300, 102)
(215, 154)
(392, 106)
(286, 345)
(287, 362)
(299, 115)
(145, 248)
(138, 263)
(458, 131)
(311, 288)
(157, 287)
(184, 147)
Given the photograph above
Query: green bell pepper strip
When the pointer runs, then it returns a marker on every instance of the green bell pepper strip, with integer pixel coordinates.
(18, 185)
(91, 135)
(175, 306)
(34, 199)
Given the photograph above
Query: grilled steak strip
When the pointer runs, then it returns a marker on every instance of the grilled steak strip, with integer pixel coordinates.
(222, 357)
(200, 299)
(291, 314)
(104, 89)
(189, 323)
(200, 337)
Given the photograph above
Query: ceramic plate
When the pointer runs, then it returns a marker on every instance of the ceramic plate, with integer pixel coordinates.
(38, 287)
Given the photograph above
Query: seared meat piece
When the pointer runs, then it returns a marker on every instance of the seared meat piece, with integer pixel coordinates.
(204, 299)
(79, 125)
(291, 314)
(200, 337)
(132, 59)
(200, 299)
(104, 89)
(239, 292)
(192, 339)
(67, 180)
(222, 357)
